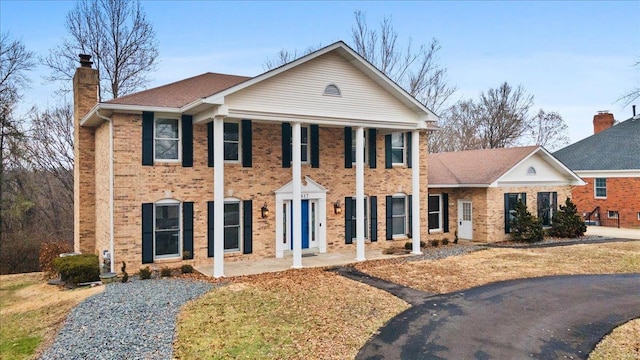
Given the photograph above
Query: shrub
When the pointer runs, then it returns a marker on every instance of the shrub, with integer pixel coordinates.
(165, 272)
(125, 276)
(524, 226)
(50, 250)
(78, 269)
(567, 222)
(409, 245)
(455, 239)
(145, 273)
(435, 243)
(445, 241)
(186, 269)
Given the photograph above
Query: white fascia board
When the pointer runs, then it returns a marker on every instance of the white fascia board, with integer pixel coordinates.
(609, 173)
(433, 186)
(532, 183)
(92, 119)
(354, 58)
(321, 120)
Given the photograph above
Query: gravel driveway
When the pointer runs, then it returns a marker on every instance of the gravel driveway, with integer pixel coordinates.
(134, 320)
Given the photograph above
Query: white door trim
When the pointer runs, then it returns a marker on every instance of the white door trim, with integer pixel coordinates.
(465, 227)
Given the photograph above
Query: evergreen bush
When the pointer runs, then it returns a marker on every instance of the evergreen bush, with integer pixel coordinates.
(78, 269)
(524, 226)
(567, 223)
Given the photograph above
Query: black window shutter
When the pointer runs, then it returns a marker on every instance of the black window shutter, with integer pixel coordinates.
(147, 233)
(388, 164)
(286, 145)
(187, 228)
(524, 198)
(539, 205)
(373, 218)
(247, 145)
(315, 146)
(372, 148)
(407, 148)
(410, 214)
(147, 138)
(554, 201)
(187, 141)
(389, 213)
(348, 220)
(507, 228)
(210, 223)
(348, 140)
(247, 227)
(445, 212)
(210, 144)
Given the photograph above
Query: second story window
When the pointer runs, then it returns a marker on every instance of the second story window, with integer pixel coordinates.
(231, 141)
(398, 149)
(601, 187)
(304, 144)
(167, 139)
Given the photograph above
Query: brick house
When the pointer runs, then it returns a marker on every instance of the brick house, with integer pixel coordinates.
(609, 162)
(473, 193)
(320, 154)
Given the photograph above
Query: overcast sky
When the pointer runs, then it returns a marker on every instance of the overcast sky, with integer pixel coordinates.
(575, 57)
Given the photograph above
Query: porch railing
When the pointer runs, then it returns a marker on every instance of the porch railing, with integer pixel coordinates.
(597, 218)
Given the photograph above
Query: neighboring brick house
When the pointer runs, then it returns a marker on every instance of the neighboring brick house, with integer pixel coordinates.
(249, 168)
(609, 162)
(473, 193)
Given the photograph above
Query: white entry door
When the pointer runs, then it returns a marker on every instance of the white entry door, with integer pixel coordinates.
(465, 222)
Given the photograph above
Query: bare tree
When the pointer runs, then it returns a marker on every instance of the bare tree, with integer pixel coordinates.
(414, 69)
(634, 93)
(15, 62)
(502, 116)
(459, 127)
(548, 129)
(118, 36)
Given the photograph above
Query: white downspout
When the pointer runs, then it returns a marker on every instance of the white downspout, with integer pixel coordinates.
(111, 226)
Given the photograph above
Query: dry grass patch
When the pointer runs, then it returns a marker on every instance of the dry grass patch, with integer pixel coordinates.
(623, 343)
(300, 314)
(32, 311)
(498, 264)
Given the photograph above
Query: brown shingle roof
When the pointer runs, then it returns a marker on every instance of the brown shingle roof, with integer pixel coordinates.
(481, 167)
(183, 92)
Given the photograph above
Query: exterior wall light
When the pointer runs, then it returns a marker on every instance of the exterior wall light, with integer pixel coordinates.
(337, 209)
(264, 211)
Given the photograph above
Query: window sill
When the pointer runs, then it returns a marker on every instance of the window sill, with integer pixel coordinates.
(167, 259)
(436, 231)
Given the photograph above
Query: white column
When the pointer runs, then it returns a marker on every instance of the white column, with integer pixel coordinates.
(415, 191)
(360, 194)
(296, 203)
(218, 191)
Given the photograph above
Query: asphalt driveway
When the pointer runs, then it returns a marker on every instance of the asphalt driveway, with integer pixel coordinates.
(542, 318)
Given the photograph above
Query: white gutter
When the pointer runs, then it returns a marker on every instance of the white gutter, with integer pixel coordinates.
(111, 225)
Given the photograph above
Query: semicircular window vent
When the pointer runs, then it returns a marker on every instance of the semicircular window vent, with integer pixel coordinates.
(332, 90)
(531, 170)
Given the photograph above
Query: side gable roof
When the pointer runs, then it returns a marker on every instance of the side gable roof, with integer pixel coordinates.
(617, 148)
(484, 168)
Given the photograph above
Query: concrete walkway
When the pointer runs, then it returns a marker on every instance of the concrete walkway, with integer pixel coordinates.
(259, 266)
(611, 232)
(542, 318)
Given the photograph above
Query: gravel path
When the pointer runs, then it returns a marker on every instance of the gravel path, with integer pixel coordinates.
(135, 320)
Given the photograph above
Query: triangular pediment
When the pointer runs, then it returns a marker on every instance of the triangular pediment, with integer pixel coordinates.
(308, 187)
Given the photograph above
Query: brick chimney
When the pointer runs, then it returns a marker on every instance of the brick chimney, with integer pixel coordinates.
(602, 121)
(85, 97)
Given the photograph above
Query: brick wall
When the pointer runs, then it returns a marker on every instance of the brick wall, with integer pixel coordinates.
(85, 96)
(623, 195)
(135, 184)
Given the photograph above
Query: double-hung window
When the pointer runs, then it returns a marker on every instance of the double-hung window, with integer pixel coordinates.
(304, 144)
(510, 202)
(167, 139)
(399, 215)
(398, 149)
(435, 212)
(232, 227)
(231, 141)
(167, 230)
(547, 207)
(600, 187)
(354, 218)
(353, 147)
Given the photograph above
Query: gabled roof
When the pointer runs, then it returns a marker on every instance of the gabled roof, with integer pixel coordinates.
(193, 95)
(617, 148)
(484, 168)
(183, 92)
